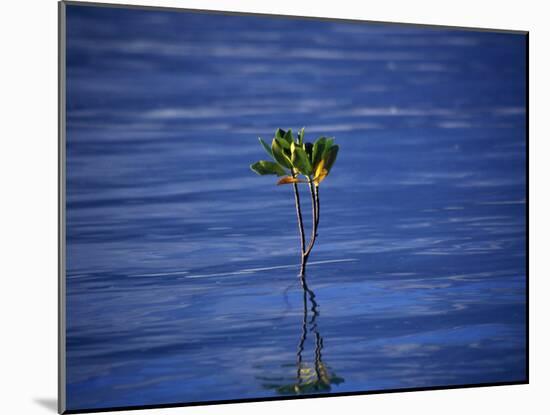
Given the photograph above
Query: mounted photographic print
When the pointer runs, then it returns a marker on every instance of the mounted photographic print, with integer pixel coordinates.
(258, 207)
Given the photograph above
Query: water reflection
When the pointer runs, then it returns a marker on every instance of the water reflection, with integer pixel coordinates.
(311, 376)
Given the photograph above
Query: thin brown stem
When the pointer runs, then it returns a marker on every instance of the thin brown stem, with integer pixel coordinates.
(300, 221)
(314, 191)
(318, 206)
(314, 220)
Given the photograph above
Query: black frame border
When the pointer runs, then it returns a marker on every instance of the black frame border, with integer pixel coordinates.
(62, 194)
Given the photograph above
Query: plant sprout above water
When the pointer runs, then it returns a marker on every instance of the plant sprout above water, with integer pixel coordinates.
(299, 162)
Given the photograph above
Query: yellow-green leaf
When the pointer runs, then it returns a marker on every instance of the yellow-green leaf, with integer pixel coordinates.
(320, 173)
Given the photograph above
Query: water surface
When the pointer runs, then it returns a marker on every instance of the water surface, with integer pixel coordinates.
(182, 264)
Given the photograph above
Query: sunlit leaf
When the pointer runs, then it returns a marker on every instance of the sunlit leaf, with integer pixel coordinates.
(264, 167)
(321, 172)
(320, 176)
(319, 168)
(279, 155)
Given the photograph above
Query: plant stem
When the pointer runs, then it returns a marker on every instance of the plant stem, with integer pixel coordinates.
(314, 222)
(318, 205)
(314, 219)
(300, 221)
(315, 209)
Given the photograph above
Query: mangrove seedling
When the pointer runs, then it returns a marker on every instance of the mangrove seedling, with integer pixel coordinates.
(297, 161)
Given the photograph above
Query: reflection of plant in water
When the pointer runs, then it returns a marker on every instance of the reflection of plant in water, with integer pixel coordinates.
(315, 377)
(292, 158)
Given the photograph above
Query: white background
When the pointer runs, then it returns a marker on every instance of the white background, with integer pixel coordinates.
(28, 204)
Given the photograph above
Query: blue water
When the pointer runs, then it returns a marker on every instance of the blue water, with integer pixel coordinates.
(182, 263)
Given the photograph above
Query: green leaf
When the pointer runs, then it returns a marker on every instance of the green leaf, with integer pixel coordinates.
(318, 150)
(283, 143)
(280, 133)
(279, 155)
(300, 160)
(264, 167)
(328, 144)
(308, 147)
(288, 137)
(266, 148)
(330, 157)
(301, 136)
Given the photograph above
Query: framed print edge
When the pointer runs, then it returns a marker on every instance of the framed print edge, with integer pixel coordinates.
(61, 393)
(287, 16)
